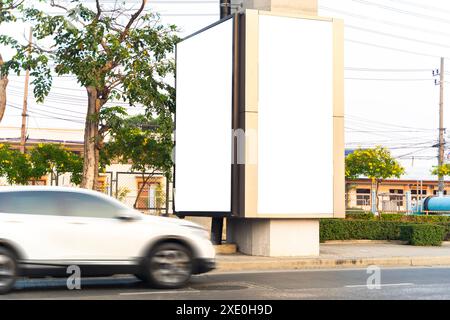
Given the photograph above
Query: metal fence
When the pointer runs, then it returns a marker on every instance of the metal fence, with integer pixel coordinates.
(387, 202)
(149, 193)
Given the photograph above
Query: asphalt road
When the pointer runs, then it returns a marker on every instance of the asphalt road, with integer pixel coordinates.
(395, 283)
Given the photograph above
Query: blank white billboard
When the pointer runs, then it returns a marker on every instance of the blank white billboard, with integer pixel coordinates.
(203, 121)
(295, 116)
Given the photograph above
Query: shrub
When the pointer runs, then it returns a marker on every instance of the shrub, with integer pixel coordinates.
(360, 216)
(398, 217)
(340, 229)
(422, 234)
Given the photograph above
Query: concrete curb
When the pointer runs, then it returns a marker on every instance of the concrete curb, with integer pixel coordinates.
(319, 263)
(365, 242)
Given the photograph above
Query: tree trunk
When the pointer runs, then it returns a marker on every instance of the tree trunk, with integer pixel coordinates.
(144, 183)
(91, 158)
(3, 85)
(377, 186)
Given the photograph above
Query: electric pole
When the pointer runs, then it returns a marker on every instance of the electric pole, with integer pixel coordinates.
(23, 129)
(441, 125)
(217, 222)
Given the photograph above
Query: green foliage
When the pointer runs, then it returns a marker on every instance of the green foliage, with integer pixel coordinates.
(114, 55)
(340, 229)
(19, 168)
(126, 62)
(422, 234)
(350, 229)
(360, 216)
(399, 217)
(376, 164)
(443, 170)
(15, 166)
(6, 9)
(49, 158)
(141, 140)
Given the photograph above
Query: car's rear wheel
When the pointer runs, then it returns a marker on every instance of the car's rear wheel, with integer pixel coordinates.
(8, 270)
(168, 266)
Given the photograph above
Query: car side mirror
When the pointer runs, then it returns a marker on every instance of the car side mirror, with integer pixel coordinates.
(126, 216)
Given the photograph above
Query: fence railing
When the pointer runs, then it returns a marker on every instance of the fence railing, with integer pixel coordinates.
(149, 193)
(385, 202)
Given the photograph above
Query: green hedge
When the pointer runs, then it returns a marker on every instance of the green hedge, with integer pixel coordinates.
(343, 229)
(398, 217)
(422, 234)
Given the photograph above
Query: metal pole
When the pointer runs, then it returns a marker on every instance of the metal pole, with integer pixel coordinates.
(408, 202)
(441, 126)
(225, 8)
(25, 100)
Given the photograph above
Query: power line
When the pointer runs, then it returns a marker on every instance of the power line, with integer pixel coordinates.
(396, 36)
(386, 22)
(392, 48)
(422, 6)
(386, 69)
(406, 12)
(365, 120)
(385, 79)
(414, 152)
(43, 114)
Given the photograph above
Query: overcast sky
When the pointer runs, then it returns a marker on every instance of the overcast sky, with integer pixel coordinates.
(391, 48)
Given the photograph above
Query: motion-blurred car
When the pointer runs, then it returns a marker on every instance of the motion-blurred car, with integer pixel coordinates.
(44, 230)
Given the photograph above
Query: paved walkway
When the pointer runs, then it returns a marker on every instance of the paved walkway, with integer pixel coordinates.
(333, 255)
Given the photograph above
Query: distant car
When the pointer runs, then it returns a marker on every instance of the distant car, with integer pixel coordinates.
(44, 230)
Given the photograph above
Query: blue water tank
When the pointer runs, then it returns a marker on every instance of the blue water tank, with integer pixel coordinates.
(436, 204)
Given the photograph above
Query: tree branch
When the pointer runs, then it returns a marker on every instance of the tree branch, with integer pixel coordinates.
(132, 20)
(56, 5)
(99, 9)
(12, 6)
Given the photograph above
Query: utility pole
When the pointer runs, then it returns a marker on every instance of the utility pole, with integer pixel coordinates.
(23, 129)
(441, 125)
(217, 222)
(225, 8)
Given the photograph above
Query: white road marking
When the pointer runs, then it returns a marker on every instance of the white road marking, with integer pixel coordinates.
(155, 292)
(381, 285)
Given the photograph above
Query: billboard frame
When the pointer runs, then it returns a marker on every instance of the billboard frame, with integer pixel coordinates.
(250, 114)
(234, 117)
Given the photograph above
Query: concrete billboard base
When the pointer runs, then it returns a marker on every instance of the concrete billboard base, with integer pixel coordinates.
(275, 237)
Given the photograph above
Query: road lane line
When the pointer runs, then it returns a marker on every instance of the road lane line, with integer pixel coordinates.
(155, 292)
(381, 285)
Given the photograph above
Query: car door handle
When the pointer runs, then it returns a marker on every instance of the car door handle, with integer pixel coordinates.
(77, 222)
(13, 221)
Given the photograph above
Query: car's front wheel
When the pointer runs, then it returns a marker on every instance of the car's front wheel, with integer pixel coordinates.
(8, 270)
(168, 266)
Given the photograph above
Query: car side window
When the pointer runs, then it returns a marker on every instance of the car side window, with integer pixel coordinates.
(85, 205)
(30, 202)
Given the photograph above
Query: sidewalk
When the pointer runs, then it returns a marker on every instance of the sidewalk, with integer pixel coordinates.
(343, 255)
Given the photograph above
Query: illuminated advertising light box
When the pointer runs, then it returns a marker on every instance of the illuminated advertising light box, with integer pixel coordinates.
(277, 81)
(203, 121)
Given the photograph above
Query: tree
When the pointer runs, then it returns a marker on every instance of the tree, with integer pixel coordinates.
(16, 167)
(20, 168)
(6, 9)
(3, 85)
(443, 170)
(375, 163)
(55, 159)
(113, 55)
(141, 140)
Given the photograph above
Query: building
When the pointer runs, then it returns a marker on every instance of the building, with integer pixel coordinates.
(391, 193)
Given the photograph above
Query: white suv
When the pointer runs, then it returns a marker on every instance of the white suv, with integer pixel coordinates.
(43, 230)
